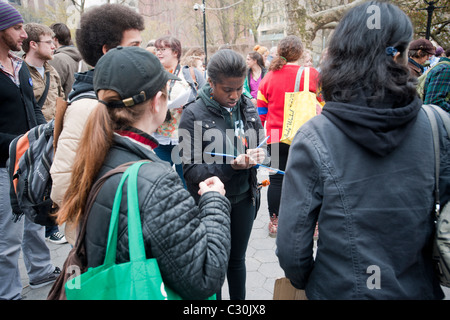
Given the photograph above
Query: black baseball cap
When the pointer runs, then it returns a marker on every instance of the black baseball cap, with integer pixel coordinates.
(134, 73)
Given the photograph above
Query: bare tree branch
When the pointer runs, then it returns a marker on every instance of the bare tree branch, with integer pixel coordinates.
(305, 23)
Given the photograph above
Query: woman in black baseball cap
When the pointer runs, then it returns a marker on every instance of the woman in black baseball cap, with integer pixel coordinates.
(191, 243)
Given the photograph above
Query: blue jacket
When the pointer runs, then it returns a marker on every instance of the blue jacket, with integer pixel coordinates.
(373, 202)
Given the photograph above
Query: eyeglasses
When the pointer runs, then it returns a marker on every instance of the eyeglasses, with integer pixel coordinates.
(50, 42)
(161, 49)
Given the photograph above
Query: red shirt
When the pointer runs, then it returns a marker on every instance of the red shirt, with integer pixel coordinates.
(271, 95)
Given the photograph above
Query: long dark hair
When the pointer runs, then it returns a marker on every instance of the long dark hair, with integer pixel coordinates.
(357, 58)
(258, 58)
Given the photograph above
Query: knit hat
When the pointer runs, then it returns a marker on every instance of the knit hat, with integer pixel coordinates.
(9, 16)
(439, 51)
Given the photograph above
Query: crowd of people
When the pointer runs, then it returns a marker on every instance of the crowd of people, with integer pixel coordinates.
(361, 171)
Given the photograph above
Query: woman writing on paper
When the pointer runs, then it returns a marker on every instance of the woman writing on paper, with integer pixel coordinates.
(223, 120)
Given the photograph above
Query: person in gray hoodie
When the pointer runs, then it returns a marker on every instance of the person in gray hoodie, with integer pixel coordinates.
(67, 59)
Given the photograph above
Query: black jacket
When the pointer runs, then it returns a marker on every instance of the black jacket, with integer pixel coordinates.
(198, 121)
(191, 243)
(366, 175)
(19, 111)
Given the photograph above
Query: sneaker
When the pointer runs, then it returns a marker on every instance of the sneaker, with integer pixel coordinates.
(57, 238)
(273, 226)
(50, 279)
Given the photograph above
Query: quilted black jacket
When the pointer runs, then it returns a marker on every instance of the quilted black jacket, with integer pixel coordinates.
(191, 243)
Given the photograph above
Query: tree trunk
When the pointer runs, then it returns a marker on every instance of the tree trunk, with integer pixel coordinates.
(305, 24)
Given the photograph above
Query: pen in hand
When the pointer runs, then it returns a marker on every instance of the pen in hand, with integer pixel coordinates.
(262, 142)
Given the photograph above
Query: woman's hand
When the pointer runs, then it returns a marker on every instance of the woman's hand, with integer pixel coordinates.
(257, 154)
(211, 184)
(248, 160)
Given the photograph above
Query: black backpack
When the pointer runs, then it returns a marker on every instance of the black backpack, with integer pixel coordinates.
(30, 158)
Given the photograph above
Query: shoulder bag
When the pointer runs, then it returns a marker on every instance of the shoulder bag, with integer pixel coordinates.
(76, 261)
(299, 107)
(138, 279)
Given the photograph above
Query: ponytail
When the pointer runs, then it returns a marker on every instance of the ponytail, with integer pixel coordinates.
(96, 140)
(92, 150)
(277, 63)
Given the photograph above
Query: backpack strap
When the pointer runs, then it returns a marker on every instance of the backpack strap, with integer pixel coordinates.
(435, 132)
(61, 107)
(189, 76)
(444, 116)
(11, 165)
(192, 72)
(47, 86)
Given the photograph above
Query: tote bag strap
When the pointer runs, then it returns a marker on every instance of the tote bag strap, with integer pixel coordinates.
(93, 195)
(135, 237)
(133, 208)
(306, 80)
(297, 79)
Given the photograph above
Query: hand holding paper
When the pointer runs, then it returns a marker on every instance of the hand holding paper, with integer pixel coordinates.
(180, 101)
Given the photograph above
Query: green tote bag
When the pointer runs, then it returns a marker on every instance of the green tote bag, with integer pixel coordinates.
(138, 279)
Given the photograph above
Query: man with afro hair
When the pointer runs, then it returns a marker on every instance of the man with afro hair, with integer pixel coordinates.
(101, 28)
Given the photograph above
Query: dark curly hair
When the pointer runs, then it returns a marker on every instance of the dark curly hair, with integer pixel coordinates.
(104, 25)
(290, 49)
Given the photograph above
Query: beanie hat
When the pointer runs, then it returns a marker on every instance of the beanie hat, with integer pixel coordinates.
(439, 51)
(9, 16)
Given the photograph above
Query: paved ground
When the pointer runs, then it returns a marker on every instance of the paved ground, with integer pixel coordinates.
(262, 263)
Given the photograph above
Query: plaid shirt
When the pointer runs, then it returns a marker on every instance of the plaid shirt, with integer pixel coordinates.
(437, 85)
(17, 64)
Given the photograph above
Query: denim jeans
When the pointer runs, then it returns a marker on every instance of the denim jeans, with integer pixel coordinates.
(23, 234)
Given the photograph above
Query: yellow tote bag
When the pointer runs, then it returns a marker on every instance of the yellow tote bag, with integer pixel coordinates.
(299, 107)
